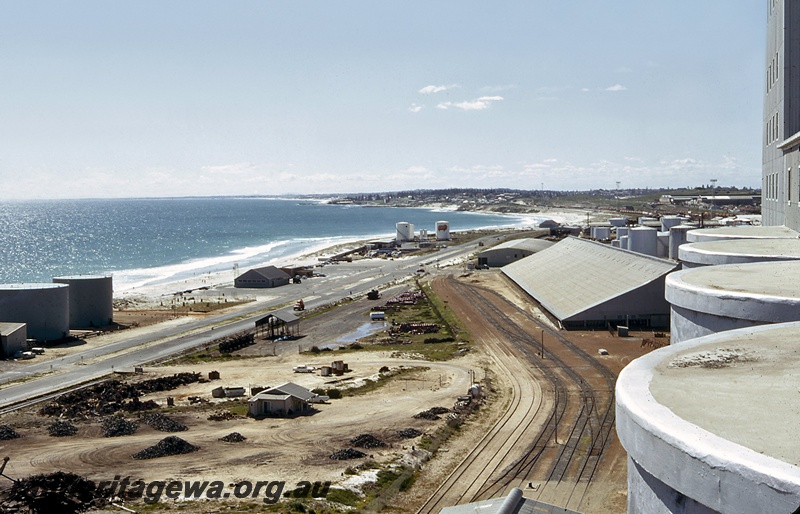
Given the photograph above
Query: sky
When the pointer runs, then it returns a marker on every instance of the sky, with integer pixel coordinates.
(197, 98)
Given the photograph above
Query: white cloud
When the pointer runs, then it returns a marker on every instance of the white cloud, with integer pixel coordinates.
(238, 168)
(498, 89)
(415, 108)
(616, 87)
(428, 90)
(479, 104)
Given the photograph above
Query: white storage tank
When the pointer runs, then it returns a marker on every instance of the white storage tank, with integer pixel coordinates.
(43, 307)
(602, 233)
(90, 300)
(667, 222)
(622, 231)
(643, 240)
(677, 237)
(662, 245)
(623, 242)
(647, 219)
(405, 231)
(423, 234)
(618, 222)
(443, 231)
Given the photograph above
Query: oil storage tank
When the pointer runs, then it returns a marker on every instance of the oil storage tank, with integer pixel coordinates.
(443, 231)
(643, 240)
(90, 300)
(405, 231)
(43, 307)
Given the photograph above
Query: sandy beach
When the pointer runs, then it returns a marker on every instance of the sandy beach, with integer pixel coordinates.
(153, 295)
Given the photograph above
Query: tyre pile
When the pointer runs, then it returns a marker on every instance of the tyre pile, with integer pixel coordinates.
(172, 445)
(52, 492)
(347, 454)
(6, 433)
(367, 441)
(432, 413)
(115, 426)
(233, 437)
(163, 423)
(62, 428)
(409, 433)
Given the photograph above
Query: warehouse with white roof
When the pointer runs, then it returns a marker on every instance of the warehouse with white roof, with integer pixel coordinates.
(588, 284)
(511, 251)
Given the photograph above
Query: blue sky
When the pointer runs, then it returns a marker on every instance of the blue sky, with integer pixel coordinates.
(128, 99)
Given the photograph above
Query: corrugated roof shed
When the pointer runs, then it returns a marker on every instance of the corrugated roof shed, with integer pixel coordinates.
(577, 279)
(293, 389)
(514, 503)
(529, 244)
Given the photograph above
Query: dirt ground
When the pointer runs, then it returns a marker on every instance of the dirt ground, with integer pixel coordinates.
(297, 449)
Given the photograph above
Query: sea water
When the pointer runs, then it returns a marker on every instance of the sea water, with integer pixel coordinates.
(150, 241)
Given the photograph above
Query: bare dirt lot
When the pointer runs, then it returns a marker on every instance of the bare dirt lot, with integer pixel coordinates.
(299, 448)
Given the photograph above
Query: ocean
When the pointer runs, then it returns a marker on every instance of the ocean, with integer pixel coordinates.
(151, 241)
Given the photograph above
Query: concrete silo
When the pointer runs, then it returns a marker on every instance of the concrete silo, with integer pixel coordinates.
(707, 424)
(90, 300)
(43, 307)
(712, 299)
(740, 251)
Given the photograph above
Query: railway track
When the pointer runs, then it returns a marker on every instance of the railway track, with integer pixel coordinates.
(563, 442)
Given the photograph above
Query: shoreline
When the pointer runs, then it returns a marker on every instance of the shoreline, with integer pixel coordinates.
(149, 295)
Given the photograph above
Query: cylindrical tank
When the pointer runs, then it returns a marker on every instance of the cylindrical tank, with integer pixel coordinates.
(602, 233)
(643, 240)
(739, 251)
(43, 307)
(90, 300)
(442, 230)
(741, 232)
(624, 242)
(710, 299)
(622, 231)
(662, 245)
(423, 234)
(618, 222)
(405, 231)
(667, 222)
(615, 243)
(646, 219)
(677, 237)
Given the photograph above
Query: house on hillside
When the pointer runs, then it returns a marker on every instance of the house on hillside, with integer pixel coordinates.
(268, 276)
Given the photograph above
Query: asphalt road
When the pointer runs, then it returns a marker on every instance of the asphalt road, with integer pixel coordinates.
(48, 376)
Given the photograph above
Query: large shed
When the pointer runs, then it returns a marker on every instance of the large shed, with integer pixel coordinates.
(268, 276)
(588, 284)
(511, 251)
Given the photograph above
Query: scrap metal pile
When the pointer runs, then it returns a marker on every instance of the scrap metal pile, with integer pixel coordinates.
(233, 437)
(163, 423)
(6, 433)
(397, 302)
(61, 428)
(367, 441)
(112, 396)
(409, 433)
(415, 328)
(115, 426)
(172, 445)
(432, 413)
(347, 454)
(65, 493)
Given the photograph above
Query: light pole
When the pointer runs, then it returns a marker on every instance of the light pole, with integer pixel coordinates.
(713, 195)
